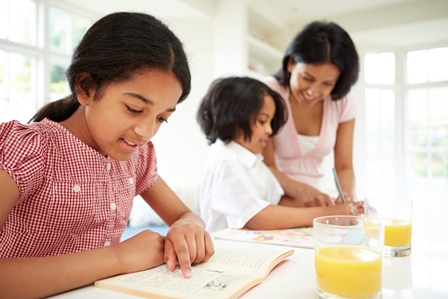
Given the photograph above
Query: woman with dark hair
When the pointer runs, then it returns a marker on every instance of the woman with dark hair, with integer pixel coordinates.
(319, 68)
(69, 178)
(237, 116)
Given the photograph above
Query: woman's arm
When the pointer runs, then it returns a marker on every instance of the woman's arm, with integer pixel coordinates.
(291, 188)
(45, 276)
(186, 241)
(308, 195)
(343, 157)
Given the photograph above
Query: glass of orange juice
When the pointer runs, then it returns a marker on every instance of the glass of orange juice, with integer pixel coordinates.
(396, 216)
(348, 257)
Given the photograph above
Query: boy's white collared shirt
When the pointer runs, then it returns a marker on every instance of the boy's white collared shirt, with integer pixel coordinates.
(237, 185)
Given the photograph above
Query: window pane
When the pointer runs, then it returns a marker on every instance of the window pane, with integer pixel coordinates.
(427, 65)
(17, 96)
(4, 19)
(427, 116)
(22, 21)
(79, 28)
(20, 73)
(59, 21)
(417, 67)
(380, 68)
(21, 100)
(438, 64)
(438, 106)
(58, 84)
(380, 144)
(418, 117)
(3, 87)
(440, 164)
(420, 164)
(66, 30)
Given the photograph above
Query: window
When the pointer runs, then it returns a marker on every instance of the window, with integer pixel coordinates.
(428, 111)
(33, 73)
(406, 122)
(66, 30)
(17, 21)
(58, 84)
(425, 66)
(17, 86)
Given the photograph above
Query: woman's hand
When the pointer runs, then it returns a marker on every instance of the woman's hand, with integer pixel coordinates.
(311, 197)
(347, 198)
(140, 252)
(350, 207)
(187, 243)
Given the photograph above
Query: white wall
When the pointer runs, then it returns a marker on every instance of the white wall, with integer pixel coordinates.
(180, 145)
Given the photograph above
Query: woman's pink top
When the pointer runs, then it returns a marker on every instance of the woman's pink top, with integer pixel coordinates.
(289, 160)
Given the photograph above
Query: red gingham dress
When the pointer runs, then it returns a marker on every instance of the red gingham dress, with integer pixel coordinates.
(71, 198)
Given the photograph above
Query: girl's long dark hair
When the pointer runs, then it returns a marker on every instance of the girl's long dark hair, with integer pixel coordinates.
(321, 42)
(115, 48)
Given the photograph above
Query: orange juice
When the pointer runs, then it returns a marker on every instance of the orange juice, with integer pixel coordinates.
(397, 232)
(348, 271)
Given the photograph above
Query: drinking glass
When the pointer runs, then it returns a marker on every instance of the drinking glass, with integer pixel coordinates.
(396, 216)
(348, 257)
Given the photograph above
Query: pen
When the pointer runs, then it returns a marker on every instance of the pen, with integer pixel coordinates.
(338, 185)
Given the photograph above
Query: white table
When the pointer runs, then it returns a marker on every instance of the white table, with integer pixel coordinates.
(423, 275)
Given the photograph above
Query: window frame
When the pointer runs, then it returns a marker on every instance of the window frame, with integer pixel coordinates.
(401, 89)
(45, 57)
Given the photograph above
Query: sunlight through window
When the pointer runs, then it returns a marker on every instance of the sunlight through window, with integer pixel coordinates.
(380, 68)
(31, 74)
(407, 149)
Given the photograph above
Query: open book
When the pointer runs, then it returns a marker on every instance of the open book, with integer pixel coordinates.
(294, 237)
(229, 273)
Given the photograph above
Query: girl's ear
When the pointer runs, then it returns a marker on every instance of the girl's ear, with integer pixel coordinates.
(85, 88)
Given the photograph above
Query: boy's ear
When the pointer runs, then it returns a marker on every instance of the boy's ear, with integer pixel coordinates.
(290, 64)
(85, 88)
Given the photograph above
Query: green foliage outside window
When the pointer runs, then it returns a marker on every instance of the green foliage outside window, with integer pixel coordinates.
(21, 78)
(58, 83)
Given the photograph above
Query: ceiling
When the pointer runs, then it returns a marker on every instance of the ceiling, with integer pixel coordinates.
(293, 10)
(389, 22)
(379, 22)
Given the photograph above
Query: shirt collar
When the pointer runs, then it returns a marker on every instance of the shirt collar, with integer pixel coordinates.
(245, 156)
(73, 138)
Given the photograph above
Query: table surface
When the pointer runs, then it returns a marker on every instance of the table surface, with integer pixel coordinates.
(421, 275)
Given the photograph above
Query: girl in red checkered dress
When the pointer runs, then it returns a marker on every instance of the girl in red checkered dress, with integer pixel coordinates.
(68, 178)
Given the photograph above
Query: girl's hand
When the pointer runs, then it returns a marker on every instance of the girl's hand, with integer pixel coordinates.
(188, 243)
(140, 252)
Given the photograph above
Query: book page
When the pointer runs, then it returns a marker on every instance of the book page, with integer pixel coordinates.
(203, 284)
(250, 261)
(228, 274)
(294, 237)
